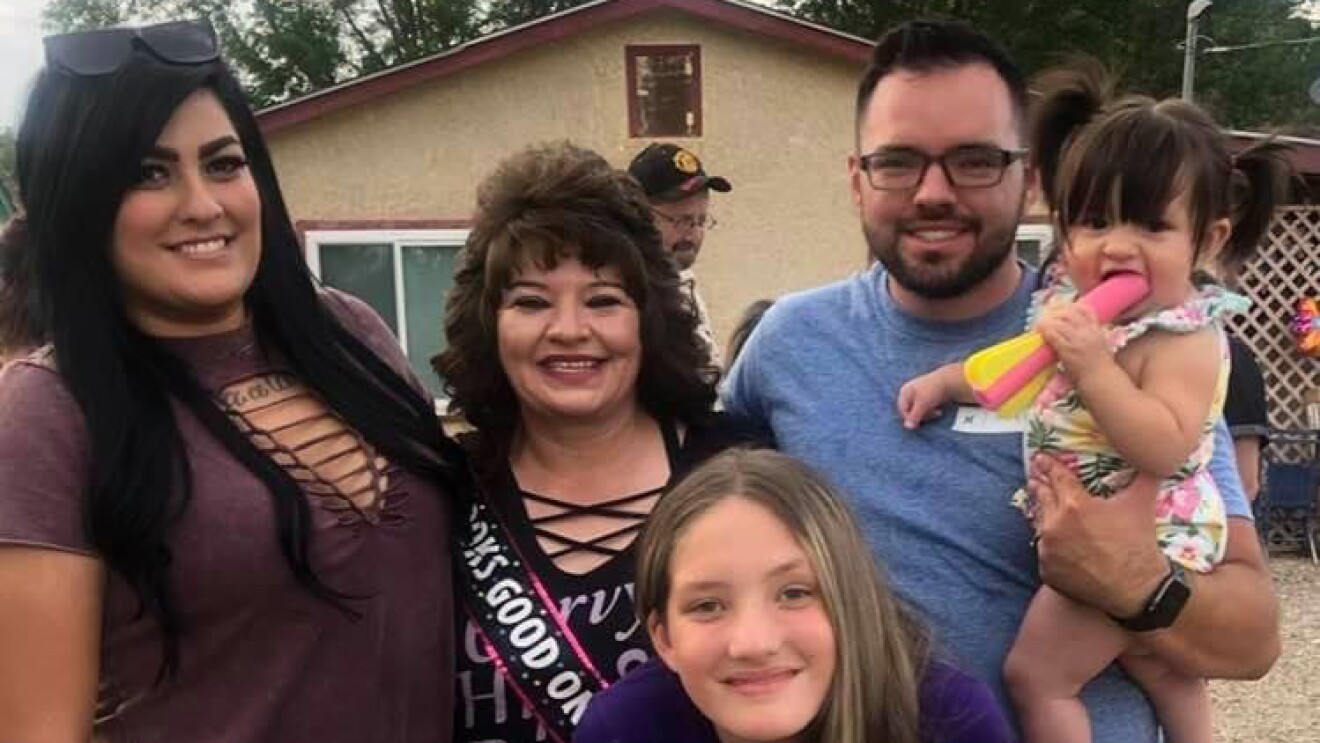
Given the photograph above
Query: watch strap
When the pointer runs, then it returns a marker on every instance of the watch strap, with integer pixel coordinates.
(1164, 604)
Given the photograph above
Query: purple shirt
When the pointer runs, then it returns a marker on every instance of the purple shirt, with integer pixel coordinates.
(649, 705)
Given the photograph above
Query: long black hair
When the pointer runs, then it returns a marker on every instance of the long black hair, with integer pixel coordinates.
(80, 148)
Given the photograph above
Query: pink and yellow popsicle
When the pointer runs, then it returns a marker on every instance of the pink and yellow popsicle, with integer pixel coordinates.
(1006, 377)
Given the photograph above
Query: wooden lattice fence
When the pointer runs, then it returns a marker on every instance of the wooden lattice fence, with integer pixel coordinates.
(1286, 269)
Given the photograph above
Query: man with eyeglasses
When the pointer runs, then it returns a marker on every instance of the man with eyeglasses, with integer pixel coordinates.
(940, 179)
(679, 191)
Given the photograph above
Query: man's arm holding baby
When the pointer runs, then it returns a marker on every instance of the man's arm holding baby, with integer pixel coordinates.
(1103, 552)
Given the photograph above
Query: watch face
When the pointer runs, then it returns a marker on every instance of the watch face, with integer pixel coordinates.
(1170, 603)
(1164, 605)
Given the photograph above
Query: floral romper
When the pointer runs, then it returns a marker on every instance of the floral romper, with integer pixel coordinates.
(1190, 524)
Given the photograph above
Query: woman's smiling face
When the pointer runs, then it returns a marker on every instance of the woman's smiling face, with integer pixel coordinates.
(187, 237)
(569, 341)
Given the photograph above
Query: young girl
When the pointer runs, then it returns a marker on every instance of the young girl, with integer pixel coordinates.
(1134, 185)
(761, 596)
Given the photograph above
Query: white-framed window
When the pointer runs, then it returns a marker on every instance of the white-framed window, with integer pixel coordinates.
(1034, 242)
(405, 275)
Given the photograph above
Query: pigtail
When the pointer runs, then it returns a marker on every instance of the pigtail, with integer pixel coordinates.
(1259, 183)
(1070, 97)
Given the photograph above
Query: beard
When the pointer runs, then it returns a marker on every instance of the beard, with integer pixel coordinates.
(942, 279)
(684, 253)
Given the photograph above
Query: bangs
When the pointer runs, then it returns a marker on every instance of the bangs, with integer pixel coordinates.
(544, 243)
(1131, 164)
(1108, 178)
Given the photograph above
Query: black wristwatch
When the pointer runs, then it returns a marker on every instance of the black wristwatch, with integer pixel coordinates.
(1164, 604)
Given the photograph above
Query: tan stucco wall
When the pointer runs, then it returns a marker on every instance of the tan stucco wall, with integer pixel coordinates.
(777, 123)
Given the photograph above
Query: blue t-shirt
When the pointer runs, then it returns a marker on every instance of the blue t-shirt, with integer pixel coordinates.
(649, 705)
(822, 372)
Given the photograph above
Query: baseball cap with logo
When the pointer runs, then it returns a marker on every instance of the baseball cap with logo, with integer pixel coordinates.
(668, 172)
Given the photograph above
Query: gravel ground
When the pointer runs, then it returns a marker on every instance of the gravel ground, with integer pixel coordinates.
(1284, 707)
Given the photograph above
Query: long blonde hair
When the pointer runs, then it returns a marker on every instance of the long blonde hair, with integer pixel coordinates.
(882, 652)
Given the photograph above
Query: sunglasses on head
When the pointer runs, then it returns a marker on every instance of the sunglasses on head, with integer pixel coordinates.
(92, 53)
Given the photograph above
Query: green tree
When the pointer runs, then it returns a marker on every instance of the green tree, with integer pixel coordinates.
(509, 13)
(7, 170)
(1138, 39)
(1266, 87)
(284, 48)
(76, 15)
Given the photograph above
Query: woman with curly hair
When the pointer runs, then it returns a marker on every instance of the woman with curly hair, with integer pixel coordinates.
(575, 357)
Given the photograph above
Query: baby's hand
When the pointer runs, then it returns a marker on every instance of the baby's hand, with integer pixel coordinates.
(921, 399)
(1076, 336)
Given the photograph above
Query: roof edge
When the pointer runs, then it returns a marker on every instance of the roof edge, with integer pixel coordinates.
(740, 14)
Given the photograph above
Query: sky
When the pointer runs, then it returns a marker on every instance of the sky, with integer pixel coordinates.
(20, 54)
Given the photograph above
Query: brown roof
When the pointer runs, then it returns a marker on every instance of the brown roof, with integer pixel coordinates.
(746, 16)
(1304, 153)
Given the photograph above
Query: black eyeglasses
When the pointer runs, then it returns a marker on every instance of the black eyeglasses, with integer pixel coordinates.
(102, 52)
(970, 166)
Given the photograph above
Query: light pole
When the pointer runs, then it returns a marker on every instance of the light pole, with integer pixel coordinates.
(1194, 11)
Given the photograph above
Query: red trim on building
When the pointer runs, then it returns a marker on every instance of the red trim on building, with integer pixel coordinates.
(500, 45)
(1304, 154)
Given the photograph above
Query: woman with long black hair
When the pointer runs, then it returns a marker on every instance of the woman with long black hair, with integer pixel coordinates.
(223, 498)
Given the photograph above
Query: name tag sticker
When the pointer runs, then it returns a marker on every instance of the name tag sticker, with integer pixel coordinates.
(973, 419)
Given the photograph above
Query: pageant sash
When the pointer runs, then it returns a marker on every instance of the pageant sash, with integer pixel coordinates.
(520, 627)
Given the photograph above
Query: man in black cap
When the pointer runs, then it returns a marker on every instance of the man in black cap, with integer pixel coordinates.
(679, 191)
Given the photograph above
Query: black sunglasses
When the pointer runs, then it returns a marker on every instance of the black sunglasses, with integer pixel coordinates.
(93, 53)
